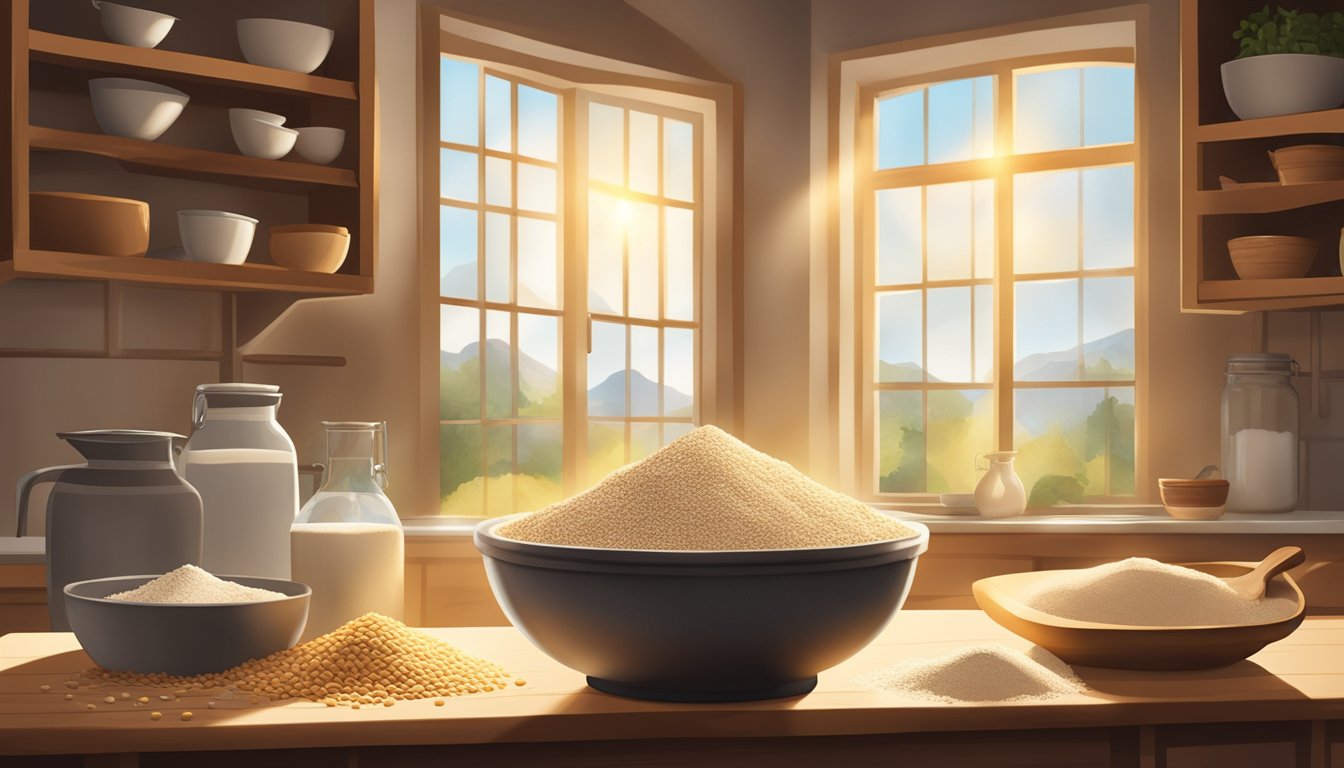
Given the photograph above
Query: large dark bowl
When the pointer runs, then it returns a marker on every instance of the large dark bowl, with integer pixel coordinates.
(183, 639)
(699, 626)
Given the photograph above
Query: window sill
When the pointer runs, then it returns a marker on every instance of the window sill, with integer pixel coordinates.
(1124, 520)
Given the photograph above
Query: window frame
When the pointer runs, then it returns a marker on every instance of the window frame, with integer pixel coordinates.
(1000, 168)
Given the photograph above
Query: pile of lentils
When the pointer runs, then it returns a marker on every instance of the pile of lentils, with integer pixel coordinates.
(372, 660)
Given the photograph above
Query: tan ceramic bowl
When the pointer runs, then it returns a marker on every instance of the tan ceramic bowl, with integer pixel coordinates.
(1308, 163)
(74, 222)
(310, 247)
(1262, 257)
(1193, 499)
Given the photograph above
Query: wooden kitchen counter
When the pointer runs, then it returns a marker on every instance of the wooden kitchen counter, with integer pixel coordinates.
(1283, 700)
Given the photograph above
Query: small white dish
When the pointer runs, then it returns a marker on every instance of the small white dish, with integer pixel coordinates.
(257, 137)
(216, 237)
(320, 144)
(238, 114)
(284, 44)
(135, 109)
(133, 26)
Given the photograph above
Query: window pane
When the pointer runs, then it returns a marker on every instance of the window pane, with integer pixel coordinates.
(984, 333)
(949, 334)
(538, 123)
(952, 121)
(678, 160)
(900, 442)
(606, 253)
(984, 236)
(1119, 438)
(674, 430)
(461, 464)
(642, 243)
(537, 264)
(644, 152)
(1045, 222)
(459, 363)
(536, 188)
(961, 424)
(499, 470)
(1108, 217)
(457, 252)
(678, 372)
(1047, 331)
(539, 394)
(606, 449)
(606, 370)
(539, 479)
(900, 236)
(1047, 113)
(1108, 328)
(606, 143)
(1056, 458)
(900, 336)
(459, 99)
(900, 130)
(1108, 104)
(457, 175)
(644, 379)
(983, 139)
(949, 231)
(497, 237)
(498, 114)
(498, 181)
(643, 440)
(498, 366)
(680, 255)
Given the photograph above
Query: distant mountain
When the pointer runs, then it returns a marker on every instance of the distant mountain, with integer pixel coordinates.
(596, 304)
(460, 281)
(1114, 352)
(535, 379)
(608, 397)
(900, 371)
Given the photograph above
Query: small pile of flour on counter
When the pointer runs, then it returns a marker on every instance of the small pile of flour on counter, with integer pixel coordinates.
(1144, 592)
(987, 672)
(190, 584)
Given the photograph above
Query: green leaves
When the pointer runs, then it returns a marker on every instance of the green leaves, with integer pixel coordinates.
(1292, 31)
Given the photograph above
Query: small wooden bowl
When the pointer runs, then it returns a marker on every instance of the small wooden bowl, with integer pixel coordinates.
(78, 223)
(1271, 257)
(1308, 163)
(1193, 499)
(310, 247)
(1124, 646)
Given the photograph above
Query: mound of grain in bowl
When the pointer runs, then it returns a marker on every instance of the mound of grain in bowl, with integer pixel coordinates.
(988, 672)
(189, 584)
(706, 491)
(370, 660)
(1144, 592)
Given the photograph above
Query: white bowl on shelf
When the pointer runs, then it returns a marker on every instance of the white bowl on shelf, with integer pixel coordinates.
(136, 109)
(320, 144)
(257, 137)
(216, 237)
(238, 114)
(133, 26)
(284, 44)
(1283, 84)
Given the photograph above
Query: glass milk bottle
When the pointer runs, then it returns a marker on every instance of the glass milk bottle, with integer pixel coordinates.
(1260, 422)
(244, 466)
(347, 542)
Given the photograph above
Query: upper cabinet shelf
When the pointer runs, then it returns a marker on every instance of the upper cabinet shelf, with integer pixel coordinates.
(114, 59)
(1328, 121)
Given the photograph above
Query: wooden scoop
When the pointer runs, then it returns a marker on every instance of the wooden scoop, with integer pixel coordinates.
(1252, 585)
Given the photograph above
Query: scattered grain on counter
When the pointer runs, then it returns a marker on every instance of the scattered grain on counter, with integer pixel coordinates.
(988, 672)
(90, 707)
(706, 491)
(187, 715)
(190, 584)
(110, 699)
(69, 697)
(370, 660)
(1144, 592)
(155, 715)
(45, 688)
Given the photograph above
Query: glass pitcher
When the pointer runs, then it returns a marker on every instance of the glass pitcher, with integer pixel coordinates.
(347, 543)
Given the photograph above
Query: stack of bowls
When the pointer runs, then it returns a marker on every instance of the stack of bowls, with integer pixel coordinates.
(261, 134)
(216, 237)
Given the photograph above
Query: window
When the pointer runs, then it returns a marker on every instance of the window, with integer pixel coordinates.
(544, 389)
(998, 265)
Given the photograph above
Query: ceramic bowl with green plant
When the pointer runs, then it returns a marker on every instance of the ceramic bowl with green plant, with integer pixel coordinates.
(1288, 61)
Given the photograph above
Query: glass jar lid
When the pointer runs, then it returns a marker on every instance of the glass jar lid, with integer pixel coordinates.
(1261, 362)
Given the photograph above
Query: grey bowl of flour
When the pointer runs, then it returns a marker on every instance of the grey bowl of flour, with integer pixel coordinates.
(677, 625)
(183, 638)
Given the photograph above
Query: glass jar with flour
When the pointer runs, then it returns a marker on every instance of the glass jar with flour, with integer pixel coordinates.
(1260, 423)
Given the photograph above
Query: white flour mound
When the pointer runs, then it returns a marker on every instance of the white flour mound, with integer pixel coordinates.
(190, 584)
(987, 672)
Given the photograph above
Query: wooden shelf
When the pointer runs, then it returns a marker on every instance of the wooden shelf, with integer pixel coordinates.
(1267, 199)
(192, 163)
(1328, 121)
(181, 274)
(111, 58)
(1252, 290)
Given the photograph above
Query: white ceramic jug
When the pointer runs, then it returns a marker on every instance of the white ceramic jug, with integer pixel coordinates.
(1000, 493)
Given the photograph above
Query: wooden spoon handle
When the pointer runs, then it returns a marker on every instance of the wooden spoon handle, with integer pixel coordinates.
(1280, 560)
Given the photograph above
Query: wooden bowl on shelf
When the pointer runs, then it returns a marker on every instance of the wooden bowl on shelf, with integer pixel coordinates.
(310, 247)
(1309, 163)
(74, 222)
(1271, 257)
(1197, 499)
